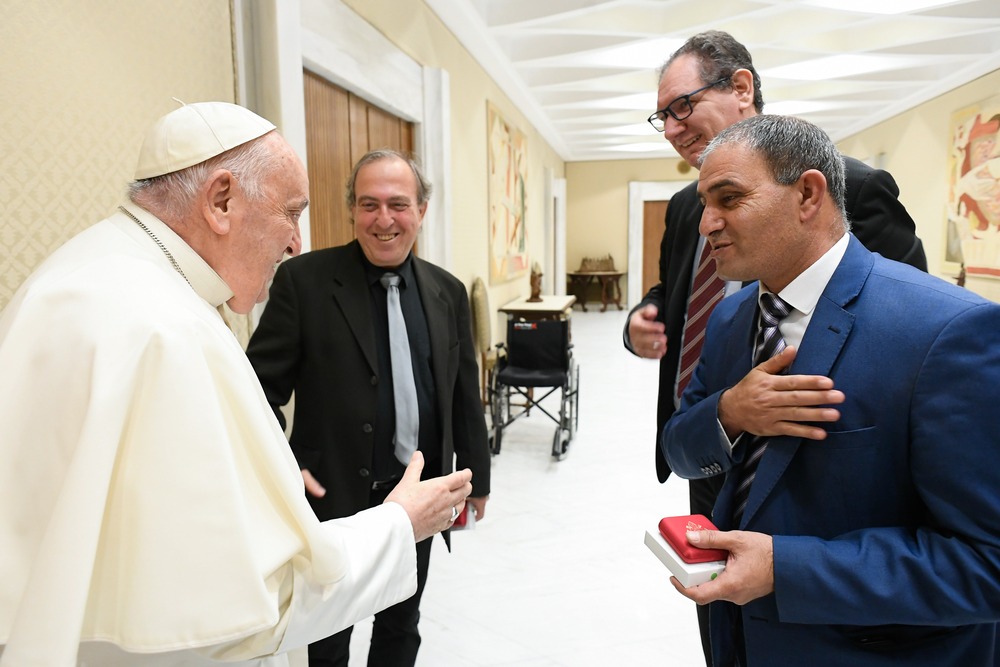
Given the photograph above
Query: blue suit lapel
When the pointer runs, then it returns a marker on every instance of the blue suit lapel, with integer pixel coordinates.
(738, 355)
(824, 340)
(739, 348)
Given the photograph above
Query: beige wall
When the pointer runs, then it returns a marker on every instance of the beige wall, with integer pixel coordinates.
(597, 205)
(914, 148)
(81, 81)
(411, 26)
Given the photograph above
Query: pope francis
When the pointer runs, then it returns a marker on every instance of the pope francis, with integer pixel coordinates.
(151, 512)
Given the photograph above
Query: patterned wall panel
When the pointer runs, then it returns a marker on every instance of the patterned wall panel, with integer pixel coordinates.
(79, 84)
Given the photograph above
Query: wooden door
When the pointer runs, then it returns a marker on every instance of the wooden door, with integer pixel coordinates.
(340, 128)
(653, 216)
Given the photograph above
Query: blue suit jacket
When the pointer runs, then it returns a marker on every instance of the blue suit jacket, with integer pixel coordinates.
(886, 533)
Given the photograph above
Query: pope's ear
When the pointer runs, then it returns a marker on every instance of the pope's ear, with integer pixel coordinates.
(218, 197)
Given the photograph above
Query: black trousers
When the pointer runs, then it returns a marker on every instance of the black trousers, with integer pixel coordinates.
(395, 638)
(703, 493)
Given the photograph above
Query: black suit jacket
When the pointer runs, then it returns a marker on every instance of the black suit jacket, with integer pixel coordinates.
(317, 338)
(877, 218)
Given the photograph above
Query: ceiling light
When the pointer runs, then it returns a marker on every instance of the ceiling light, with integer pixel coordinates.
(840, 66)
(644, 148)
(649, 53)
(639, 129)
(882, 6)
(632, 101)
(800, 107)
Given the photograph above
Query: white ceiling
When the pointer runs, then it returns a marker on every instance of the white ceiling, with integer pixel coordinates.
(584, 71)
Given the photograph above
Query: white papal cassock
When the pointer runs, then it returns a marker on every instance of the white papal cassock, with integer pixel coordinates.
(151, 512)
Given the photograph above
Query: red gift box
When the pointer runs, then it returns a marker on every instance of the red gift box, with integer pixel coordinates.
(466, 519)
(675, 528)
(704, 564)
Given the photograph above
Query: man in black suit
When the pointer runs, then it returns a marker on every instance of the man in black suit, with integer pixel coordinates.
(325, 335)
(707, 85)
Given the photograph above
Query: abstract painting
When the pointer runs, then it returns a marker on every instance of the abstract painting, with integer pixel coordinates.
(507, 177)
(973, 234)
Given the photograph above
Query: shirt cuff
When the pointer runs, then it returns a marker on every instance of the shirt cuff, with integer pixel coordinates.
(724, 439)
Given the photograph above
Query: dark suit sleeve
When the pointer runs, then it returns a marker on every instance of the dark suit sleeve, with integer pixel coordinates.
(468, 421)
(657, 294)
(274, 349)
(878, 218)
(691, 443)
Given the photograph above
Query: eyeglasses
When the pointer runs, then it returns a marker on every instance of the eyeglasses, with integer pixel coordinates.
(680, 108)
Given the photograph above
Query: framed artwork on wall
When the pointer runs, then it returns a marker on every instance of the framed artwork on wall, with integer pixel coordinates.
(508, 164)
(973, 218)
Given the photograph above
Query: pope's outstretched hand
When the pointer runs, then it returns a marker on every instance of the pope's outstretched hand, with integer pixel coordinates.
(431, 504)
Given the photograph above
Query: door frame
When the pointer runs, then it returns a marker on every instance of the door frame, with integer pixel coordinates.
(554, 266)
(276, 39)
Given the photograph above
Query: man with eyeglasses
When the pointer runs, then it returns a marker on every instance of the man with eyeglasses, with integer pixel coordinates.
(705, 86)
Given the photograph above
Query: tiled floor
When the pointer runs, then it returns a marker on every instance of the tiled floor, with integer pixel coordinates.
(556, 575)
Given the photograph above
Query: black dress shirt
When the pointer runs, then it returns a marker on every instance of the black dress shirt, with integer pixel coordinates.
(384, 461)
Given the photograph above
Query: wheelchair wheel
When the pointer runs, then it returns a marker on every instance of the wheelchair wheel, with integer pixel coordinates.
(571, 413)
(560, 444)
(576, 401)
(494, 440)
(499, 408)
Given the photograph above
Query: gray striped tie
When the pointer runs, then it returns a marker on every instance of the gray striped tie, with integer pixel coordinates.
(769, 343)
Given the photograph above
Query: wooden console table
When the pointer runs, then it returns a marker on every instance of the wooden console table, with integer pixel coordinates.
(551, 307)
(611, 291)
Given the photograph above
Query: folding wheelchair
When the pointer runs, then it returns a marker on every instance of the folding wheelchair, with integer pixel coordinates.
(537, 355)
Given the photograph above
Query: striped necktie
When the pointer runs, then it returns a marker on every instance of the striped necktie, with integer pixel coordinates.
(706, 291)
(769, 343)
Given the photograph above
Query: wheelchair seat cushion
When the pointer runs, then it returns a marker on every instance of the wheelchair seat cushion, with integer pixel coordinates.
(515, 376)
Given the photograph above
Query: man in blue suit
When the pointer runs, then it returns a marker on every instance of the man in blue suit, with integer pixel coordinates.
(870, 533)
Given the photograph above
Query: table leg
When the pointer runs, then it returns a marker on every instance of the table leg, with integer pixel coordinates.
(580, 283)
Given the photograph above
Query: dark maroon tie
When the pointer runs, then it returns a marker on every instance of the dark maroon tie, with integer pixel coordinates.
(706, 291)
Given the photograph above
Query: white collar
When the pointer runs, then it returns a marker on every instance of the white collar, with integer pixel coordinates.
(202, 277)
(804, 291)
